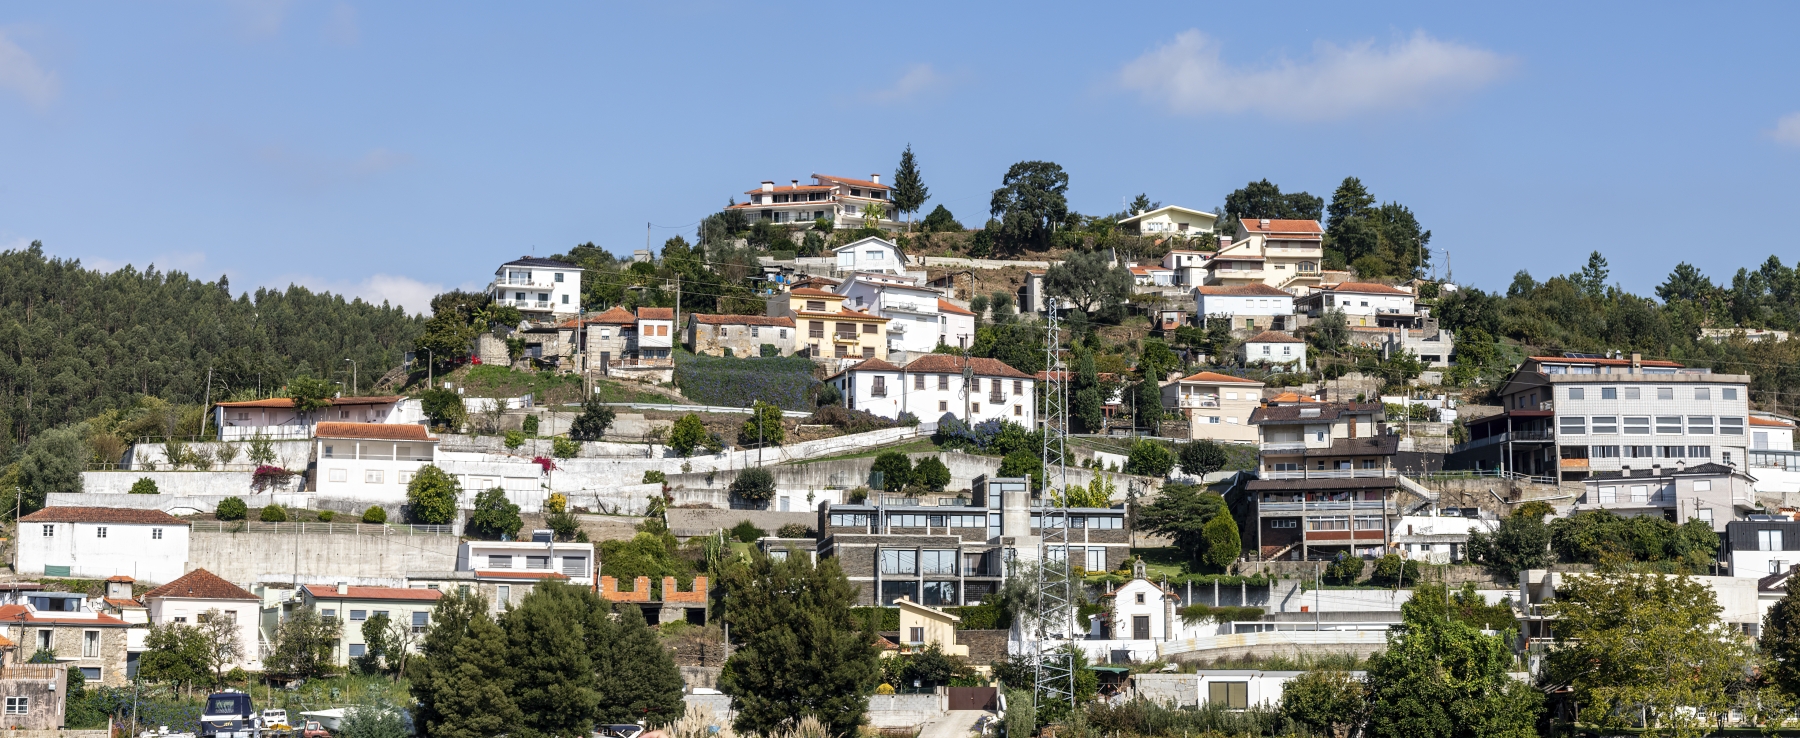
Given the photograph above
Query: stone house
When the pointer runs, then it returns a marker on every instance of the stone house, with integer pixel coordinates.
(667, 606)
(94, 642)
(611, 336)
(33, 695)
(739, 335)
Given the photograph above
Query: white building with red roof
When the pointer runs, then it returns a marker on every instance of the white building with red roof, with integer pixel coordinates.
(199, 596)
(1216, 406)
(1248, 307)
(843, 200)
(1284, 254)
(874, 255)
(540, 288)
(1364, 304)
(352, 606)
(934, 384)
(919, 319)
(1274, 347)
(275, 417)
(370, 461)
(101, 542)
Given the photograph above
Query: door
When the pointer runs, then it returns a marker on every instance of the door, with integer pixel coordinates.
(1140, 627)
(605, 362)
(973, 698)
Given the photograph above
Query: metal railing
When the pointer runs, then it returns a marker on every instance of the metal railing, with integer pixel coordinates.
(623, 363)
(1333, 506)
(361, 529)
(1485, 474)
(1192, 401)
(270, 432)
(1331, 474)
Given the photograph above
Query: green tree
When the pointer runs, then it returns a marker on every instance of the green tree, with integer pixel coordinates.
(1331, 332)
(1087, 282)
(1521, 542)
(1444, 679)
(763, 428)
(1650, 646)
(444, 408)
(552, 636)
(303, 644)
(373, 721)
(1150, 458)
(273, 513)
(1141, 204)
(1032, 199)
(895, 470)
(1265, 200)
(593, 421)
(1202, 457)
(176, 654)
(53, 462)
(1431, 602)
(799, 652)
(910, 192)
(1023, 463)
(931, 474)
(431, 675)
(375, 515)
(755, 484)
(144, 486)
(1328, 701)
(1781, 639)
(494, 516)
(939, 220)
(1222, 542)
(687, 434)
(309, 394)
(639, 680)
(1181, 512)
(431, 496)
(375, 643)
(231, 508)
(474, 696)
(1592, 277)
(1087, 397)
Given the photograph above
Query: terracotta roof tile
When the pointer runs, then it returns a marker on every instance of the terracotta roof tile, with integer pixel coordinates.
(1217, 377)
(1272, 337)
(946, 306)
(792, 188)
(1277, 225)
(118, 515)
(952, 364)
(867, 365)
(810, 292)
(853, 182)
(656, 313)
(1242, 290)
(614, 315)
(711, 319)
(334, 401)
(376, 431)
(201, 584)
(16, 613)
(1770, 422)
(372, 593)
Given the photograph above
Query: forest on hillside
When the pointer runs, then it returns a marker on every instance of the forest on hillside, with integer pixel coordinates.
(77, 342)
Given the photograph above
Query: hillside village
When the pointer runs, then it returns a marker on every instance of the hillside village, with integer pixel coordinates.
(1258, 469)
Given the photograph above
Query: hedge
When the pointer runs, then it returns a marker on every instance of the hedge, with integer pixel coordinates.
(729, 382)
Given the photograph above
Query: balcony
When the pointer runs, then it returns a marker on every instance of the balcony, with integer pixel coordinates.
(519, 282)
(908, 306)
(525, 304)
(1283, 447)
(1330, 474)
(1199, 401)
(1373, 506)
(845, 338)
(630, 363)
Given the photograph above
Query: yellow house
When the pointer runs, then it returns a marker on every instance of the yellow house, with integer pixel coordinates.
(923, 625)
(1170, 220)
(825, 329)
(1284, 254)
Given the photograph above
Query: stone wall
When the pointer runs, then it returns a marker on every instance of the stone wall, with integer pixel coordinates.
(320, 558)
(44, 685)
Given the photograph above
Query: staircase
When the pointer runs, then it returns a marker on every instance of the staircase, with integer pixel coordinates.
(1425, 496)
(393, 379)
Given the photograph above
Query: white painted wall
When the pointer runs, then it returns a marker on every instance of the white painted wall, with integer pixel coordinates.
(1017, 397)
(246, 613)
(1257, 305)
(1356, 303)
(147, 553)
(355, 467)
(538, 288)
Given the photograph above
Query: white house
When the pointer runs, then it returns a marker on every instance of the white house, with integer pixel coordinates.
(918, 319)
(1769, 432)
(353, 606)
(1170, 220)
(1275, 348)
(101, 542)
(275, 417)
(369, 460)
(201, 594)
(655, 333)
(1217, 406)
(1142, 610)
(1363, 303)
(1152, 277)
(528, 561)
(933, 384)
(1247, 306)
(1438, 539)
(1189, 266)
(841, 199)
(872, 254)
(542, 286)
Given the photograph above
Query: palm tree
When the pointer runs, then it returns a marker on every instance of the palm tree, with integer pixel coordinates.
(872, 214)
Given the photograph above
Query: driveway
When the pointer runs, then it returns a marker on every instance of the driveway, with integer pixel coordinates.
(954, 724)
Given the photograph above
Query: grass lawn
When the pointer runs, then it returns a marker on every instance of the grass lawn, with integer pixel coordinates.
(1162, 561)
(623, 392)
(501, 381)
(913, 446)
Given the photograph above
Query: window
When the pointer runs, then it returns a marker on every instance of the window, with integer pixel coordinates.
(338, 475)
(100, 532)
(358, 649)
(815, 328)
(45, 639)
(90, 644)
(329, 613)
(849, 520)
(1573, 425)
(1702, 393)
(899, 561)
(1699, 452)
(1768, 540)
(842, 351)
(565, 299)
(1640, 452)
(1731, 426)
(1096, 560)
(1576, 393)
(879, 388)
(1727, 393)
(940, 593)
(1018, 411)
(372, 476)
(1672, 452)
(1606, 424)
(330, 452)
(974, 407)
(868, 352)
(943, 406)
(557, 276)
(49, 531)
(1668, 424)
(1665, 393)
(938, 562)
(1229, 695)
(1609, 495)
(1018, 387)
(1609, 393)
(357, 616)
(503, 594)
(155, 534)
(537, 562)
(90, 673)
(18, 705)
(575, 566)
(915, 634)
(918, 381)
(1703, 485)
(783, 332)
(943, 381)
(1700, 425)
(420, 621)
(1632, 393)
(1603, 452)
(1637, 425)
(1284, 523)
(868, 328)
(1338, 522)
(503, 561)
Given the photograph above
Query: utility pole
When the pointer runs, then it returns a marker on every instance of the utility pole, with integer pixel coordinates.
(206, 404)
(352, 363)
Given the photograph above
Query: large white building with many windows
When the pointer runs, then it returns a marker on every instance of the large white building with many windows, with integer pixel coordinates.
(933, 384)
(538, 286)
(842, 200)
(1570, 416)
(371, 461)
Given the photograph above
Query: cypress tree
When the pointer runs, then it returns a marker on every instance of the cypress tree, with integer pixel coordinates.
(800, 652)
(551, 639)
(910, 192)
(638, 678)
(475, 699)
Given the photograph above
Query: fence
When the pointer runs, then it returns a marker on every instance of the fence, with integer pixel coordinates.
(361, 529)
(1485, 474)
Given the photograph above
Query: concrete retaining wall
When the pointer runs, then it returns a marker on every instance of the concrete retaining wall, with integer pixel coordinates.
(179, 504)
(711, 487)
(320, 558)
(175, 483)
(906, 710)
(288, 454)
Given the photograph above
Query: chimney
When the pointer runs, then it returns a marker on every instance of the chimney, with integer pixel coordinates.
(796, 183)
(1265, 223)
(343, 588)
(876, 178)
(768, 185)
(1637, 362)
(1625, 471)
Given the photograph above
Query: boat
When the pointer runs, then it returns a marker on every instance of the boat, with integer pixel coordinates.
(228, 714)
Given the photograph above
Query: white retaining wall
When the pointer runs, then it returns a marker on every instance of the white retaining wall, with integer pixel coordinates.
(906, 710)
(288, 454)
(173, 483)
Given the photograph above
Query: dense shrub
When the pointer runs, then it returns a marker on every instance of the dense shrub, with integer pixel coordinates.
(1346, 570)
(564, 448)
(847, 420)
(994, 436)
(1599, 536)
(793, 530)
(514, 439)
(755, 484)
(1393, 571)
(895, 470)
(144, 486)
(930, 474)
(710, 380)
(325, 516)
(531, 425)
(375, 515)
(231, 508)
(747, 532)
(655, 476)
(273, 513)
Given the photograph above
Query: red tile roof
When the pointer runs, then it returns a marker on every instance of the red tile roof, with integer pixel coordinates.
(952, 364)
(519, 574)
(1369, 288)
(711, 319)
(1217, 377)
(810, 292)
(335, 401)
(1770, 422)
(120, 578)
(867, 365)
(614, 315)
(16, 613)
(852, 182)
(1243, 290)
(374, 431)
(1277, 225)
(792, 188)
(656, 313)
(201, 584)
(945, 306)
(111, 515)
(319, 592)
(123, 604)
(1272, 337)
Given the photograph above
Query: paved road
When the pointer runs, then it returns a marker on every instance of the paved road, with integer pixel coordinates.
(954, 724)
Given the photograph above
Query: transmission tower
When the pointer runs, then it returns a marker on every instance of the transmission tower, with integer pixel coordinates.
(1055, 615)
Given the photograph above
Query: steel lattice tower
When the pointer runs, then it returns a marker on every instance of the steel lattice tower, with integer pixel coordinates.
(1055, 617)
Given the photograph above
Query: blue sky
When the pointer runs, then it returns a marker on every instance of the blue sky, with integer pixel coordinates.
(393, 150)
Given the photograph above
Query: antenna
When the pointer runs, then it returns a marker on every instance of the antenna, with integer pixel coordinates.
(1055, 617)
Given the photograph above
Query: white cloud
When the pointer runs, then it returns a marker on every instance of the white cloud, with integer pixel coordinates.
(20, 73)
(1787, 130)
(341, 26)
(918, 79)
(1190, 76)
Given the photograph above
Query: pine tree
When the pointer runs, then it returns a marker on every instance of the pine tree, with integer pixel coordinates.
(430, 673)
(475, 695)
(800, 651)
(551, 639)
(1781, 639)
(910, 192)
(638, 678)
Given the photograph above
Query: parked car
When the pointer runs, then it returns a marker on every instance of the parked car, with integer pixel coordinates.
(618, 731)
(314, 730)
